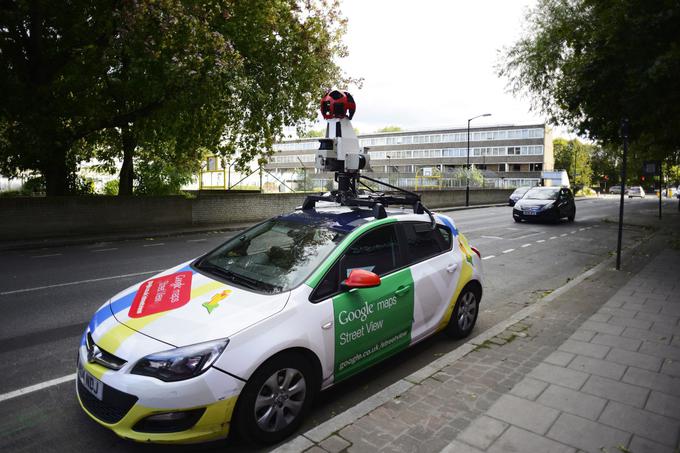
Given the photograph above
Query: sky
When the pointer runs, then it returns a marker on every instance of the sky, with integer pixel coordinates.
(431, 63)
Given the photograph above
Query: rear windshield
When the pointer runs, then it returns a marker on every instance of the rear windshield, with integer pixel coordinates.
(542, 193)
(272, 257)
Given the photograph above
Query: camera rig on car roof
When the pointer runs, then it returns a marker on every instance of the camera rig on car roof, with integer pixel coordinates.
(340, 152)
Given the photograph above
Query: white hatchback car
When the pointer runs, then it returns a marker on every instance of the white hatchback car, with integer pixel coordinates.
(636, 191)
(249, 333)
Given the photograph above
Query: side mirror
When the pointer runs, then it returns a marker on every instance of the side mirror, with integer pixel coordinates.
(360, 278)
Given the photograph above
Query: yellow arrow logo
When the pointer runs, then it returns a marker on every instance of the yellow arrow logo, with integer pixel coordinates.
(215, 300)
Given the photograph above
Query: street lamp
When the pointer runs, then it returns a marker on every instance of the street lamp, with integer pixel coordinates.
(467, 173)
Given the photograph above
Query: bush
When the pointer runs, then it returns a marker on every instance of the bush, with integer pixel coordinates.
(111, 187)
(585, 192)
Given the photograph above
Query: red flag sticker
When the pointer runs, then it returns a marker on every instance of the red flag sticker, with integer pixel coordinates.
(161, 294)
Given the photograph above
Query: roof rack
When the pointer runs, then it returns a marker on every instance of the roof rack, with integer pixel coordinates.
(347, 195)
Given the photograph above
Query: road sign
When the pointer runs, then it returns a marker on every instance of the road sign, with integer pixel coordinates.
(651, 167)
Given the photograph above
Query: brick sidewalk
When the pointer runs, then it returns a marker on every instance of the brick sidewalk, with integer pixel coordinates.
(575, 375)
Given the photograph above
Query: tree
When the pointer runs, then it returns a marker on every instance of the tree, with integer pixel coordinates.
(107, 77)
(575, 157)
(390, 129)
(313, 133)
(589, 63)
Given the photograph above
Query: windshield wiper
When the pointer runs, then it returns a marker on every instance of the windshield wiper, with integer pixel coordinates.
(233, 276)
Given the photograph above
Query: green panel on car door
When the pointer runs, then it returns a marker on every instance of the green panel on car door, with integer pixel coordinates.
(372, 323)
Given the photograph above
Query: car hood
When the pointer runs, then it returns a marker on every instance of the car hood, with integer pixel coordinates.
(532, 204)
(182, 306)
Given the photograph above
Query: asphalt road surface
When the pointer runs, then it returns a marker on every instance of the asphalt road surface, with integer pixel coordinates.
(48, 295)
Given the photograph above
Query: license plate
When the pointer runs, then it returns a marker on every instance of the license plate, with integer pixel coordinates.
(529, 212)
(91, 383)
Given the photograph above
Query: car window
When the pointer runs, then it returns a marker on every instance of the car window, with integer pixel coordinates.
(377, 251)
(423, 242)
(273, 256)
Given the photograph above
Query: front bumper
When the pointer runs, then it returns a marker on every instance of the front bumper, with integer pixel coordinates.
(546, 214)
(128, 399)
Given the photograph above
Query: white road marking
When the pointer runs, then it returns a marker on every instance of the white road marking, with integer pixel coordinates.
(153, 245)
(105, 250)
(541, 240)
(573, 231)
(492, 237)
(526, 245)
(508, 250)
(489, 257)
(197, 240)
(46, 256)
(581, 229)
(552, 237)
(563, 235)
(92, 280)
(36, 387)
(529, 235)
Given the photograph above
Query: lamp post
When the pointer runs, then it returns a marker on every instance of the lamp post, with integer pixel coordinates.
(467, 173)
(625, 133)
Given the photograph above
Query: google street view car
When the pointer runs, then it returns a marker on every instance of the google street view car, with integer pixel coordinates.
(243, 337)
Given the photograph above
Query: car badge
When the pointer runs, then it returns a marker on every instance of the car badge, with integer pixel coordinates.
(93, 354)
(215, 300)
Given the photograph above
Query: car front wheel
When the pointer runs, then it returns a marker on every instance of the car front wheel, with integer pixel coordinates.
(465, 314)
(276, 399)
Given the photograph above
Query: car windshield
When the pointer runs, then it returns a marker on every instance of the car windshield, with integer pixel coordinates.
(520, 191)
(272, 257)
(542, 193)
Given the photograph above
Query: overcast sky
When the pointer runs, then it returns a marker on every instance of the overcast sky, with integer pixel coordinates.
(430, 63)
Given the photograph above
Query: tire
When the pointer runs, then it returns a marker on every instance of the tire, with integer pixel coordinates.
(516, 219)
(276, 399)
(465, 314)
(571, 217)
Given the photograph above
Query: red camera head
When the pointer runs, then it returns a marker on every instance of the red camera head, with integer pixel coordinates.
(337, 104)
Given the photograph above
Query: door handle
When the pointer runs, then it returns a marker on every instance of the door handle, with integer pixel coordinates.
(402, 290)
(327, 326)
(451, 268)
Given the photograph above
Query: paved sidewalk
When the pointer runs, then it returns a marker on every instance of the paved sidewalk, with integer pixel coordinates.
(574, 375)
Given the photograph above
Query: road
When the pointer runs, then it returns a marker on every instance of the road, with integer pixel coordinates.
(48, 295)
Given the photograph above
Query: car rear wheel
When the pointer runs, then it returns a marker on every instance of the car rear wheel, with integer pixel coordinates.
(465, 314)
(276, 399)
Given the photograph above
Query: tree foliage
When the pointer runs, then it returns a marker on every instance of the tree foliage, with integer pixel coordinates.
(590, 63)
(575, 157)
(117, 79)
(390, 129)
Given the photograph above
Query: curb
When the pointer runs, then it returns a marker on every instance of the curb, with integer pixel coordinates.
(317, 434)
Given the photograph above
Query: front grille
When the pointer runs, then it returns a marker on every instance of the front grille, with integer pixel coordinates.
(101, 356)
(113, 406)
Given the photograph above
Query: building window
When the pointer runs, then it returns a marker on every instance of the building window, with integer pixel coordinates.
(516, 167)
(501, 167)
(535, 167)
(513, 150)
(481, 166)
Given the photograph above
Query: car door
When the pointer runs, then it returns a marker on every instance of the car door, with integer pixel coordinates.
(563, 203)
(435, 267)
(369, 324)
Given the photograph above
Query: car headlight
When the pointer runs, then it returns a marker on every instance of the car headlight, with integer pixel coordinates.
(180, 363)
